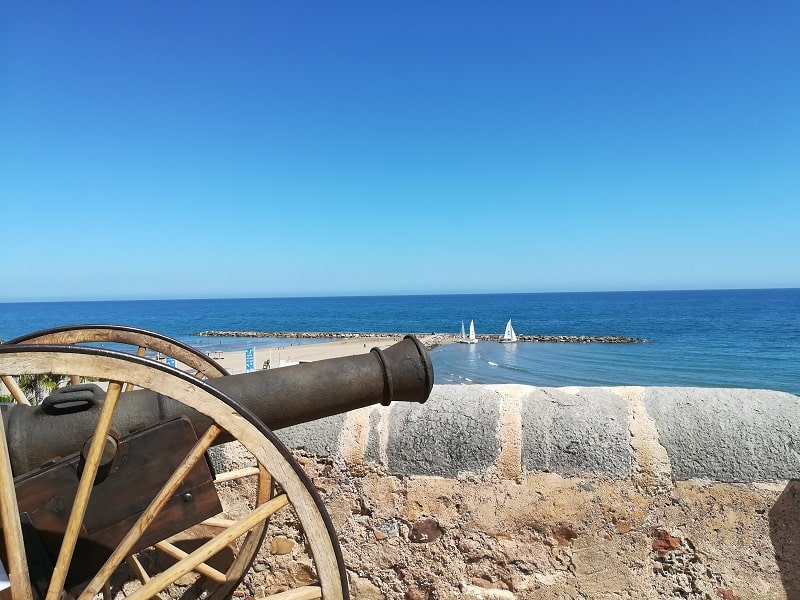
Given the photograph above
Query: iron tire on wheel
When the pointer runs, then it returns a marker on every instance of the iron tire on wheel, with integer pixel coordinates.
(295, 490)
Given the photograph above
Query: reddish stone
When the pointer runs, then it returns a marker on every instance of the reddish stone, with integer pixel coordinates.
(564, 535)
(486, 583)
(424, 531)
(415, 593)
(663, 542)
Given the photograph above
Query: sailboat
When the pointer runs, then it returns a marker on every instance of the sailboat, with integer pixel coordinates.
(463, 339)
(509, 335)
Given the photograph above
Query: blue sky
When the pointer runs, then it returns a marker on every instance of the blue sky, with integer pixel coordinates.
(198, 150)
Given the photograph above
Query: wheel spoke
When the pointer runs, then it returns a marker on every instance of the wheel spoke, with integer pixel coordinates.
(150, 513)
(209, 549)
(237, 474)
(307, 592)
(83, 492)
(138, 570)
(252, 542)
(13, 387)
(12, 528)
(175, 552)
(218, 522)
(141, 350)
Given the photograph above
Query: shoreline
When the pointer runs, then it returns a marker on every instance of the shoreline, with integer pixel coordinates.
(273, 357)
(342, 344)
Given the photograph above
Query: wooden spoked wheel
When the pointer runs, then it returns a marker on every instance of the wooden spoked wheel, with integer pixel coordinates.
(141, 339)
(132, 569)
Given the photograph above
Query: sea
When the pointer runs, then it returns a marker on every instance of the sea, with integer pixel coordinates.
(707, 338)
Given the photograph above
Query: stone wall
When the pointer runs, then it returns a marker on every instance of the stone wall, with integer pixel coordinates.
(518, 492)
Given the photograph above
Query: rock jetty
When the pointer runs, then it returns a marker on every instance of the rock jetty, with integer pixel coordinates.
(572, 339)
(431, 340)
(303, 335)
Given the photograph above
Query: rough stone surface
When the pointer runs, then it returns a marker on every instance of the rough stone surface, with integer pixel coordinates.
(727, 435)
(373, 451)
(318, 437)
(584, 430)
(455, 431)
(625, 493)
(720, 434)
(547, 536)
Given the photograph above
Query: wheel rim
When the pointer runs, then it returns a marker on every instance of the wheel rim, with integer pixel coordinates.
(142, 339)
(228, 416)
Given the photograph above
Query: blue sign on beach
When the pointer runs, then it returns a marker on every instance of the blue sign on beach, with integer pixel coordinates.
(249, 359)
(170, 361)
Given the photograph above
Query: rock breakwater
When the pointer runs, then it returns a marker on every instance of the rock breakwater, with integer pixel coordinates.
(303, 335)
(575, 339)
(429, 339)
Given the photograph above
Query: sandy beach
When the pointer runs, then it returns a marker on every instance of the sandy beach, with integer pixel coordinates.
(294, 353)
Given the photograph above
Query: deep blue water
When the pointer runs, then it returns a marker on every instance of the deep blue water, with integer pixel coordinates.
(714, 338)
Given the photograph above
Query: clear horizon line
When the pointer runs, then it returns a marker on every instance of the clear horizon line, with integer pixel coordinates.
(391, 295)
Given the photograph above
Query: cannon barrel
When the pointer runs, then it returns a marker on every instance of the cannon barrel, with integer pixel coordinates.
(279, 397)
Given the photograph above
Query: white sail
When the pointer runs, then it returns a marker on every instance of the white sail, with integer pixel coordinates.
(509, 335)
(463, 337)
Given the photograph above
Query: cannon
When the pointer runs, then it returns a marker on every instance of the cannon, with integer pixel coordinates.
(142, 480)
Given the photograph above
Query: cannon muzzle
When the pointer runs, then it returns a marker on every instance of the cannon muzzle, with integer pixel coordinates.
(279, 397)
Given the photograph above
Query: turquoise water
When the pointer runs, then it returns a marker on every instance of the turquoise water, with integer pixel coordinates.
(731, 338)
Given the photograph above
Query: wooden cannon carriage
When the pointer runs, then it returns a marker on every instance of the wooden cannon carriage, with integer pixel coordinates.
(108, 489)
